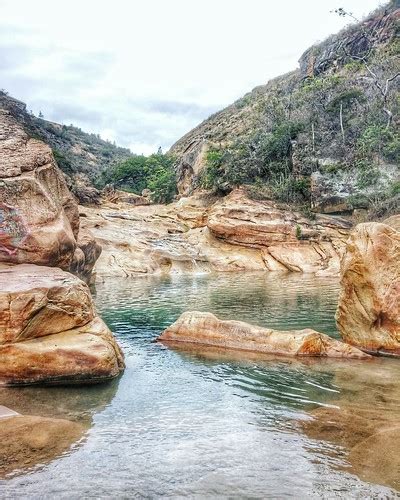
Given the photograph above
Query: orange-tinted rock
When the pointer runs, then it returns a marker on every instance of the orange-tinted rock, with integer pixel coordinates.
(288, 240)
(206, 329)
(205, 234)
(49, 331)
(368, 314)
(39, 218)
(37, 301)
(87, 354)
(86, 254)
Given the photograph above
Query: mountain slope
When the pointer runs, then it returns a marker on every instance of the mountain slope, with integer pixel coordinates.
(324, 135)
(81, 156)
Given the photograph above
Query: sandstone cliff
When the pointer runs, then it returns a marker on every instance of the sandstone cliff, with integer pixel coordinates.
(203, 234)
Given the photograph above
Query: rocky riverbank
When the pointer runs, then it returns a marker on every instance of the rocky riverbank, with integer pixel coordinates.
(204, 234)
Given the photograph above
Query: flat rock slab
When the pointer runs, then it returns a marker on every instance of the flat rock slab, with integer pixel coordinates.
(206, 329)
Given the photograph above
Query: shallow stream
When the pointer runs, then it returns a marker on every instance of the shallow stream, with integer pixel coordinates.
(207, 424)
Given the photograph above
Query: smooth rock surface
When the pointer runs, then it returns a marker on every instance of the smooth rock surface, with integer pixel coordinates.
(206, 329)
(87, 354)
(49, 330)
(368, 313)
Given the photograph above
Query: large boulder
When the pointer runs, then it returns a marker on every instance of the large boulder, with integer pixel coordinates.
(368, 313)
(49, 330)
(39, 217)
(36, 301)
(206, 329)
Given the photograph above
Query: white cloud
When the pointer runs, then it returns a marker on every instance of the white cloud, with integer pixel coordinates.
(143, 73)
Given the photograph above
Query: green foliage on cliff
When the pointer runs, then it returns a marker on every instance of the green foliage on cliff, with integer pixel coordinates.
(155, 172)
(345, 95)
(260, 157)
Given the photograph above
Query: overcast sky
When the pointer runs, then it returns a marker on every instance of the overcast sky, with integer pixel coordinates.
(144, 72)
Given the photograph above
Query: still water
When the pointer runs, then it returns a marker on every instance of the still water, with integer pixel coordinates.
(208, 424)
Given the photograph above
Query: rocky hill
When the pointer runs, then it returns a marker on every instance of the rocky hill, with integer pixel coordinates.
(81, 156)
(325, 136)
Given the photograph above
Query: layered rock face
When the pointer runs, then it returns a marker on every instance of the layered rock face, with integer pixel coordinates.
(368, 313)
(49, 331)
(206, 329)
(39, 218)
(288, 241)
(201, 234)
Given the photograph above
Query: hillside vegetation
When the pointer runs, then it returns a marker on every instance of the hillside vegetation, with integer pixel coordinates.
(325, 136)
(81, 156)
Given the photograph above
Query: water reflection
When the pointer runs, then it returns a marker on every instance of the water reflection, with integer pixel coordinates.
(54, 421)
(212, 423)
(365, 422)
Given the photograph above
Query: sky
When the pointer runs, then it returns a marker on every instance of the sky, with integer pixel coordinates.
(142, 73)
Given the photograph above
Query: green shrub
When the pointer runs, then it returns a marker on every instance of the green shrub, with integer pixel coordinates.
(62, 161)
(395, 188)
(299, 232)
(263, 155)
(155, 172)
(288, 189)
(346, 98)
(376, 139)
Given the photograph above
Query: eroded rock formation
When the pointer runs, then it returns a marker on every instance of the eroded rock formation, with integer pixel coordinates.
(204, 328)
(368, 314)
(288, 241)
(39, 218)
(203, 234)
(49, 331)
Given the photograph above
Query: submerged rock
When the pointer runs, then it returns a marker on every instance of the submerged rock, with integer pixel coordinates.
(206, 329)
(27, 441)
(49, 331)
(368, 313)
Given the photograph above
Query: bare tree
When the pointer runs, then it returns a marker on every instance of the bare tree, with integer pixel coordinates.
(382, 84)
